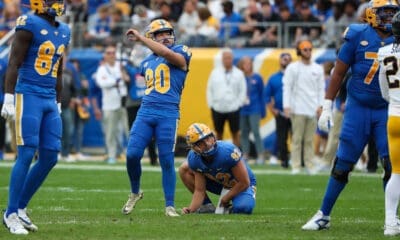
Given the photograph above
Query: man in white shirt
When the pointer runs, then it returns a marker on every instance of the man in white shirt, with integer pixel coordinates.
(113, 88)
(226, 93)
(303, 94)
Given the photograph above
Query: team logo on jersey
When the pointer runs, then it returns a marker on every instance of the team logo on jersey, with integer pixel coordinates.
(236, 154)
(364, 43)
(56, 33)
(44, 32)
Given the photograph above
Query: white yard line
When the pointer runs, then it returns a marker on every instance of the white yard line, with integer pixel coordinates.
(121, 168)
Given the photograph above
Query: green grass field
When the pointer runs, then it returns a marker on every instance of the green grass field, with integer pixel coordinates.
(84, 201)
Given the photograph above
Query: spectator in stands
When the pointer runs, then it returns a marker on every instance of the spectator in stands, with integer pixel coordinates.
(177, 8)
(188, 21)
(265, 36)
(252, 111)
(309, 25)
(332, 27)
(349, 13)
(323, 10)
(252, 18)
(207, 30)
(285, 17)
(10, 14)
(142, 17)
(165, 12)
(226, 94)
(118, 25)
(229, 30)
(98, 29)
(93, 5)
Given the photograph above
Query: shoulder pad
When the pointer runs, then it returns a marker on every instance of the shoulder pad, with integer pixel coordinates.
(353, 31)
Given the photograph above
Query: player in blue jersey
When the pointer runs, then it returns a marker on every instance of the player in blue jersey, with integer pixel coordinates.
(217, 167)
(165, 74)
(33, 91)
(365, 112)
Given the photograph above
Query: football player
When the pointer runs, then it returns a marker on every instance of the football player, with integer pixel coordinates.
(389, 81)
(365, 112)
(217, 167)
(33, 90)
(165, 74)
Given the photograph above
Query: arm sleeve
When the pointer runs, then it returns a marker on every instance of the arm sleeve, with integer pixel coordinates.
(287, 86)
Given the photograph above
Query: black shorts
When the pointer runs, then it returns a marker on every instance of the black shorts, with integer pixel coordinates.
(219, 120)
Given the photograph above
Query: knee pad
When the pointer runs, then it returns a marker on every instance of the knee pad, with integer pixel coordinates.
(387, 167)
(340, 174)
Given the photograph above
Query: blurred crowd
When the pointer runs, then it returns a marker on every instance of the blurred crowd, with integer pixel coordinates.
(206, 23)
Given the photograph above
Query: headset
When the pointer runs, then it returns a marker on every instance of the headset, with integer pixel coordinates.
(302, 42)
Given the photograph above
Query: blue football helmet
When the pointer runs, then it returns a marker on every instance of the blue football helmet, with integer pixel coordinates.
(51, 7)
(197, 137)
(379, 13)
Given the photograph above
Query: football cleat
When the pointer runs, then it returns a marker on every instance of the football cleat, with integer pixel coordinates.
(318, 222)
(26, 221)
(206, 208)
(133, 198)
(391, 230)
(171, 212)
(13, 224)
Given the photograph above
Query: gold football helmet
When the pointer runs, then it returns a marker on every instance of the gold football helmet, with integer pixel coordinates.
(157, 26)
(51, 7)
(379, 13)
(195, 134)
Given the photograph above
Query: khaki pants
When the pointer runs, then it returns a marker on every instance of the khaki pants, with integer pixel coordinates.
(303, 130)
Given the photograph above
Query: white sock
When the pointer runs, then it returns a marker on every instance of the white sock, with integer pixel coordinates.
(392, 197)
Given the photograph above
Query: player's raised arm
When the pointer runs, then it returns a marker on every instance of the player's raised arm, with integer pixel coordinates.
(160, 37)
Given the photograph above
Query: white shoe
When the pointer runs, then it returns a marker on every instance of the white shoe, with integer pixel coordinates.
(318, 222)
(273, 160)
(296, 171)
(13, 224)
(26, 221)
(133, 198)
(170, 212)
(391, 230)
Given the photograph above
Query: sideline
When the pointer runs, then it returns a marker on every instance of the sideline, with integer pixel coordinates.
(121, 168)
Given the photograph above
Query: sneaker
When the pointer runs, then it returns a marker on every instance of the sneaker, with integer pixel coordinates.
(171, 212)
(318, 222)
(111, 161)
(131, 203)
(26, 221)
(13, 224)
(391, 230)
(206, 208)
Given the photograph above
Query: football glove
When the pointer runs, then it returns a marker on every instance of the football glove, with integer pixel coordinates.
(325, 121)
(59, 107)
(8, 109)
